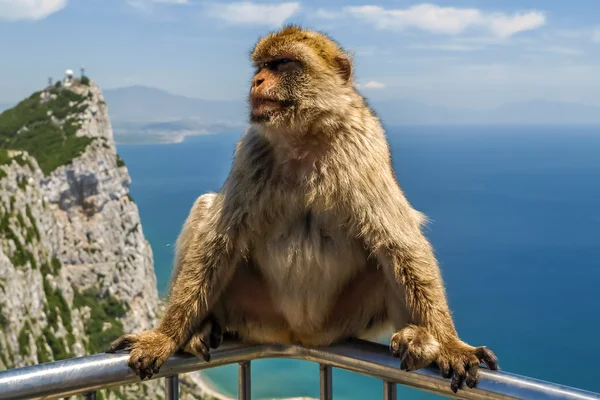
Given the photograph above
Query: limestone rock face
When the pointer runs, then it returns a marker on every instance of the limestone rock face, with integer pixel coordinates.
(75, 268)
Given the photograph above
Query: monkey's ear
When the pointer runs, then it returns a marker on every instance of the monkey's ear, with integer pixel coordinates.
(344, 65)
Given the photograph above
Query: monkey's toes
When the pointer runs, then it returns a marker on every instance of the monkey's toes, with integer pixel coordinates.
(144, 366)
(415, 347)
(122, 343)
(487, 357)
(198, 345)
(462, 362)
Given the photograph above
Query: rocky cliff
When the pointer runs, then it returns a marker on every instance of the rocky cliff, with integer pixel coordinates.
(75, 268)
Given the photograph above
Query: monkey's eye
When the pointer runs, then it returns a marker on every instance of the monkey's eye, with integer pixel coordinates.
(274, 65)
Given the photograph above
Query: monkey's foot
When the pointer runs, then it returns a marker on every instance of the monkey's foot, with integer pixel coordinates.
(461, 362)
(416, 347)
(148, 351)
(209, 336)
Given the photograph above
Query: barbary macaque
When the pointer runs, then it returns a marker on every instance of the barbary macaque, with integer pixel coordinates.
(310, 240)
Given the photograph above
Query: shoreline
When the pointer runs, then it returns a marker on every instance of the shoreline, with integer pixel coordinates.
(208, 388)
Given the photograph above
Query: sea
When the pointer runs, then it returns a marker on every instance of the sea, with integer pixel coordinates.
(515, 223)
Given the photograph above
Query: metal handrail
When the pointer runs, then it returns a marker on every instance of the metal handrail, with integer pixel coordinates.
(85, 375)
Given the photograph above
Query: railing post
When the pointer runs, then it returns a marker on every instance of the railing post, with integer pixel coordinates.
(90, 396)
(325, 378)
(389, 390)
(172, 387)
(244, 381)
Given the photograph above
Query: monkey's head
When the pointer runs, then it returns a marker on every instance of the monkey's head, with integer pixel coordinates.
(300, 74)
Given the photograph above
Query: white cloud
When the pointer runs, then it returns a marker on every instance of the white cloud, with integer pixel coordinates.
(248, 13)
(504, 26)
(147, 4)
(444, 20)
(371, 85)
(445, 47)
(14, 10)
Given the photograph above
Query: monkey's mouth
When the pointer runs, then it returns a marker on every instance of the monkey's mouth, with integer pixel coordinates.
(267, 105)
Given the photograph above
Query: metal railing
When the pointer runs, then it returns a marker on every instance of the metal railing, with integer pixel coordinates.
(86, 375)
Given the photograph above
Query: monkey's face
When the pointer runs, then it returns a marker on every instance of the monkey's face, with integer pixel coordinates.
(275, 89)
(300, 74)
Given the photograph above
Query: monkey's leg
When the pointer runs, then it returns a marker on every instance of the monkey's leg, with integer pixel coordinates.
(391, 230)
(247, 310)
(208, 336)
(359, 310)
(431, 335)
(206, 267)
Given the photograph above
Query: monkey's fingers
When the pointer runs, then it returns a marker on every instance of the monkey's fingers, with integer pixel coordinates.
(487, 357)
(122, 343)
(143, 365)
(458, 377)
(472, 374)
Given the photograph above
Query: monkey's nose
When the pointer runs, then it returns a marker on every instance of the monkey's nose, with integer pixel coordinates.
(257, 81)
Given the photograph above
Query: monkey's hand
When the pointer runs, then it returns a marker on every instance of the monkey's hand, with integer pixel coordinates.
(148, 351)
(416, 347)
(461, 362)
(209, 336)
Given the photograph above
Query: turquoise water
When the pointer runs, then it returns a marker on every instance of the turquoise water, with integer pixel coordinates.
(515, 223)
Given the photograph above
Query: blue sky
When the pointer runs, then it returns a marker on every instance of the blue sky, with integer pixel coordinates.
(471, 53)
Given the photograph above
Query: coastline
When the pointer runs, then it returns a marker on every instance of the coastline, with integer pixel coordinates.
(207, 388)
(203, 386)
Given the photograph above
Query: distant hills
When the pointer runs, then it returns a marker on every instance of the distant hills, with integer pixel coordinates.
(147, 104)
(533, 112)
(142, 114)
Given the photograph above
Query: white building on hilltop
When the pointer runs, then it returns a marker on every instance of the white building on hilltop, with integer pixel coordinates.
(68, 78)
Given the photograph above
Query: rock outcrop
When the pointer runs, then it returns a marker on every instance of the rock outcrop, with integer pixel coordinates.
(75, 268)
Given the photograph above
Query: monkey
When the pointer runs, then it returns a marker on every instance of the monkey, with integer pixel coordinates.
(310, 240)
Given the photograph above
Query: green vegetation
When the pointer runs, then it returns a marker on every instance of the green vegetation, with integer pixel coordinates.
(33, 231)
(24, 348)
(52, 143)
(6, 159)
(42, 353)
(3, 319)
(120, 162)
(57, 305)
(59, 351)
(21, 255)
(85, 80)
(103, 310)
(56, 265)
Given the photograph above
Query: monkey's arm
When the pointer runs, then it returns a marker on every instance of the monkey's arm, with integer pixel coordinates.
(391, 229)
(205, 268)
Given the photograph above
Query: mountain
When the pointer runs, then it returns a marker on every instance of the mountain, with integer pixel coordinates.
(76, 270)
(534, 112)
(146, 104)
(146, 114)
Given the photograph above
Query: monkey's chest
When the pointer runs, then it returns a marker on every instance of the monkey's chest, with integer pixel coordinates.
(306, 261)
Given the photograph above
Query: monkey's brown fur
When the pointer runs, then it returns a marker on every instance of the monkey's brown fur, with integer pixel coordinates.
(311, 239)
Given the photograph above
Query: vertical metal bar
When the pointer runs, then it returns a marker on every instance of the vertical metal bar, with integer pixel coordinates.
(389, 390)
(89, 396)
(172, 387)
(244, 380)
(325, 378)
